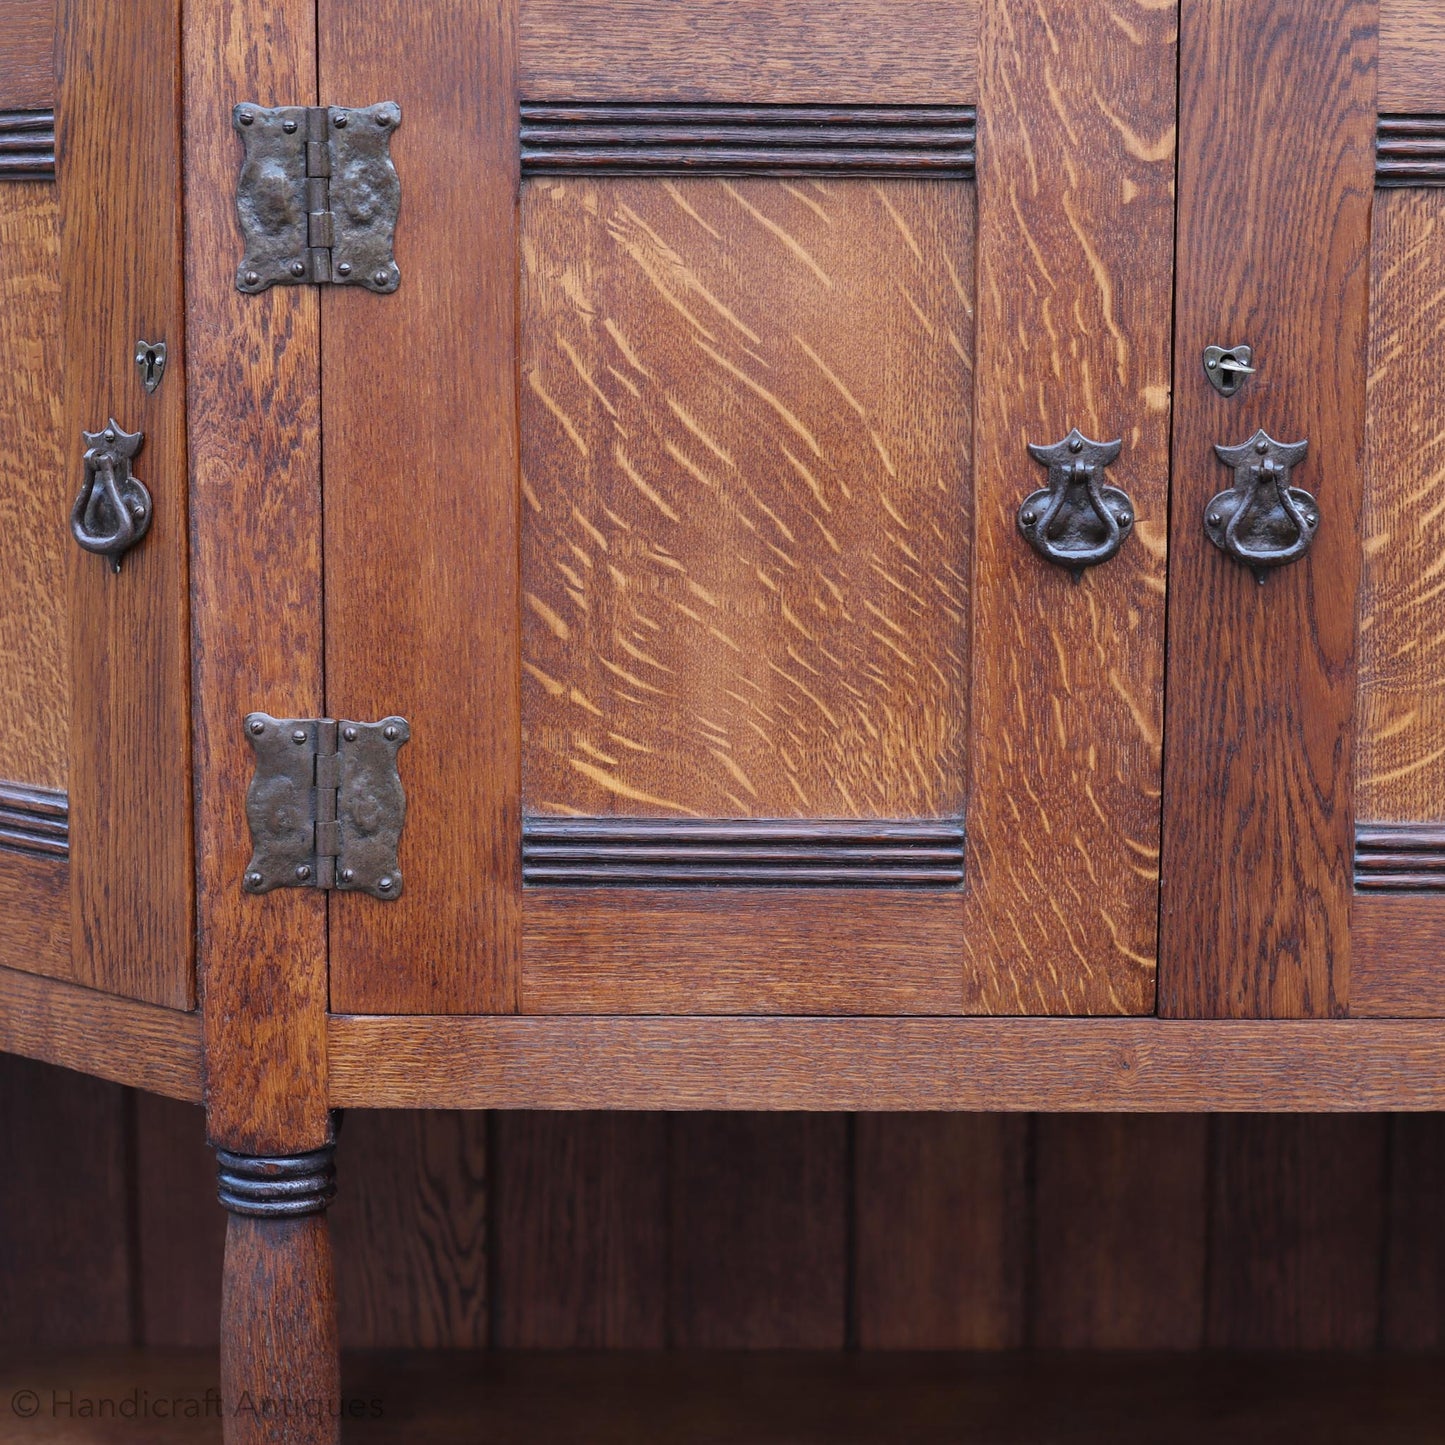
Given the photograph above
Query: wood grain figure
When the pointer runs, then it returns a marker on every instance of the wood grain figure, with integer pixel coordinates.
(1075, 269)
(941, 1239)
(745, 462)
(1412, 56)
(1400, 713)
(855, 52)
(422, 506)
(129, 778)
(34, 497)
(1259, 820)
(27, 58)
(256, 539)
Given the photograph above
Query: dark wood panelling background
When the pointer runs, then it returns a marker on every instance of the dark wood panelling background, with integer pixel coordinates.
(751, 1231)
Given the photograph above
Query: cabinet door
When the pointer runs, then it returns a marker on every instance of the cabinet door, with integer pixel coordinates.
(1305, 755)
(674, 497)
(95, 826)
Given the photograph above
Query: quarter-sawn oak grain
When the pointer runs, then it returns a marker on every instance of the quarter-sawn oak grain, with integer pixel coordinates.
(34, 495)
(1075, 172)
(745, 461)
(1400, 713)
(1276, 178)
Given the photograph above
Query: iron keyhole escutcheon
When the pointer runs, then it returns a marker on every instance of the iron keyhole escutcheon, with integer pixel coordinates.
(1076, 521)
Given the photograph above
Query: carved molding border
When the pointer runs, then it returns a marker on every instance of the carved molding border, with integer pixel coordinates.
(611, 138)
(749, 852)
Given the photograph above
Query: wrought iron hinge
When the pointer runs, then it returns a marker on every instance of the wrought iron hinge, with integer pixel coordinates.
(326, 805)
(318, 195)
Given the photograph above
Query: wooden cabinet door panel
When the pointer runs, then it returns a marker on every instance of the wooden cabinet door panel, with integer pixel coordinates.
(95, 829)
(754, 564)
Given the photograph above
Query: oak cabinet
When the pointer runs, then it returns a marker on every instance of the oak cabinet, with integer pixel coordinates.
(879, 521)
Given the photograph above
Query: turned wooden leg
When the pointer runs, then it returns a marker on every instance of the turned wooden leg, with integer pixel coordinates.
(280, 1364)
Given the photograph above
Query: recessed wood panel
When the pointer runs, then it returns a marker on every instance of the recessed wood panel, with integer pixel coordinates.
(34, 538)
(1400, 759)
(853, 51)
(745, 420)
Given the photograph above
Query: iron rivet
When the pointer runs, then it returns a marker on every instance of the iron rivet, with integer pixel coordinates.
(258, 727)
(253, 880)
(1211, 363)
(381, 278)
(1076, 445)
(347, 875)
(1261, 447)
(349, 734)
(299, 736)
(1311, 518)
(1215, 519)
(298, 268)
(303, 872)
(1125, 519)
(246, 117)
(390, 733)
(384, 885)
(1028, 519)
(251, 278)
(339, 120)
(289, 126)
(108, 435)
(344, 269)
(383, 119)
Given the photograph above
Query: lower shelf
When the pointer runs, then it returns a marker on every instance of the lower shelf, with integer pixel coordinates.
(162, 1397)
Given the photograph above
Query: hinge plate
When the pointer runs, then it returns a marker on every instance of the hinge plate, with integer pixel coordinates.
(318, 195)
(326, 805)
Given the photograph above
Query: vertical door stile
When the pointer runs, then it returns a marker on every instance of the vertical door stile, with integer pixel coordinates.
(256, 534)
(119, 178)
(1075, 258)
(1276, 177)
(421, 489)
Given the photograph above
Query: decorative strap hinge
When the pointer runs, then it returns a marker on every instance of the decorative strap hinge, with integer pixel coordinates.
(318, 196)
(326, 805)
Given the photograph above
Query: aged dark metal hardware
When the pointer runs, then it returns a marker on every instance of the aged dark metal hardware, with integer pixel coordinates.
(113, 510)
(150, 361)
(1262, 521)
(1226, 368)
(326, 805)
(318, 195)
(742, 852)
(287, 1186)
(629, 138)
(1076, 522)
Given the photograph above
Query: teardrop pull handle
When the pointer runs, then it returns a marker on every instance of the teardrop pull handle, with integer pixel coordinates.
(113, 510)
(1262, 521)
(1076, 521)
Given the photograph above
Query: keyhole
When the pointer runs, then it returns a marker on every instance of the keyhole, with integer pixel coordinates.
(150, 360)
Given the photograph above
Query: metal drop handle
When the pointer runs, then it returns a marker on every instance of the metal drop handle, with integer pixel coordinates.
(1262, 521)
(113, 510)
(1076, 521)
